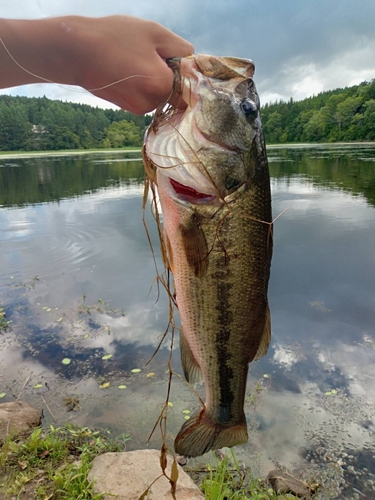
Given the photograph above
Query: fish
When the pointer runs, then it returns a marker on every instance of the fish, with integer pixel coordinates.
(207, 161)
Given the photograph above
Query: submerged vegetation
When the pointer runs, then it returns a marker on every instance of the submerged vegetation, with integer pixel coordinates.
(336, 115)
(4, 323)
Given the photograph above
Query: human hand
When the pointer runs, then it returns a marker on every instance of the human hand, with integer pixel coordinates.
(118, 58)
(125, 61)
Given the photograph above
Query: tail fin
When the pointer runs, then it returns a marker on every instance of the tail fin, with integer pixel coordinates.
(201, 434)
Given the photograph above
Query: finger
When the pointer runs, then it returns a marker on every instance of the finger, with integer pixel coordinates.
(177, 47)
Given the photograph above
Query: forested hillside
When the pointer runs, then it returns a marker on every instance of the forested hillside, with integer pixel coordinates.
(42, 124)
(337, 115)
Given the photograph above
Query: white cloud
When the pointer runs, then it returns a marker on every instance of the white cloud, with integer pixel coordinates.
(59, 92)
(287, 357)
(299, 49)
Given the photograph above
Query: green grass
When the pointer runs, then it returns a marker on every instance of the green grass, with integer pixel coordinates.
(227, 480)
(53, 464)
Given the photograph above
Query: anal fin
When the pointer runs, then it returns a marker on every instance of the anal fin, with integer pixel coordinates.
(266, 337)
(190, 366)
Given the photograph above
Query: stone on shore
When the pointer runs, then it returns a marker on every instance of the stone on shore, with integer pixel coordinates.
(285, 483)
(126, 476)
(17, 417)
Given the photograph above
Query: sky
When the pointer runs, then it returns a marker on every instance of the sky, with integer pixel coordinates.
(299, 47)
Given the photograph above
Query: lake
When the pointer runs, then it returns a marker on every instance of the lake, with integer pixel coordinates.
(77, 283)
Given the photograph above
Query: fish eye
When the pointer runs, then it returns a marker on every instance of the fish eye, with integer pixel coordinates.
(249, 108)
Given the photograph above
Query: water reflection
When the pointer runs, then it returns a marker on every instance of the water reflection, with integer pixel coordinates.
(41, 179)
(75, 276)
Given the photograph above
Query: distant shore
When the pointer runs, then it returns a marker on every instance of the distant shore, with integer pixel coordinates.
(71, 152)
(64, 152)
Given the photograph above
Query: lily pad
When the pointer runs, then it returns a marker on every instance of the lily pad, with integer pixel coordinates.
(59, 320)
(86, 336)
(121, 387)
(38, 386)
(66, 361)
(330, 393)
(2, 394)
(136, 370)
(149, 375)
(107, 356)
(186, 417)
(170, 404)
(186, 411)
(105, 385)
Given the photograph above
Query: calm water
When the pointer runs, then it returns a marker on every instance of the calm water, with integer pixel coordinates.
(75, 280)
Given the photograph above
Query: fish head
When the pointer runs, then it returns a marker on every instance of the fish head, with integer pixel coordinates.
(203, 153)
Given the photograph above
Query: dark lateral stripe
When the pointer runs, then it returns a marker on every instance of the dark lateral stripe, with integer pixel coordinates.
(225, 319)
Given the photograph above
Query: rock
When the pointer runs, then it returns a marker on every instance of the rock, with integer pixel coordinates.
(284, 483)
(126, 476)
(17, 417)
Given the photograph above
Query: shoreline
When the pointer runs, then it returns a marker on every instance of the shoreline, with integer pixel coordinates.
(69, 152)
(72, 152)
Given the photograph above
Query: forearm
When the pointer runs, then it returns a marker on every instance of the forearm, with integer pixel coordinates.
(44, 48)
(118, 58)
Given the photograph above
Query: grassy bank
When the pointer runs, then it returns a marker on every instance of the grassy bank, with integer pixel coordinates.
(54, 464)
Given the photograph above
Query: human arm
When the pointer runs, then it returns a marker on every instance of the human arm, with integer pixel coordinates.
(118, 58)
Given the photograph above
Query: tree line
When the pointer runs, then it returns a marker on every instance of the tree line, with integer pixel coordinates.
(337, 115)
(30, 124)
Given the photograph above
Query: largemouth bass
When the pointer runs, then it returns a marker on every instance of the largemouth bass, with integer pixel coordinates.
(210, 167)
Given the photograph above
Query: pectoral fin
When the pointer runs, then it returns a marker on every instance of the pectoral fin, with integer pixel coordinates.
(266, 337)
(190, 366)
(195, 246)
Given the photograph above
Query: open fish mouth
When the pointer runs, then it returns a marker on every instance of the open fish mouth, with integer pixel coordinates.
(179, 168)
